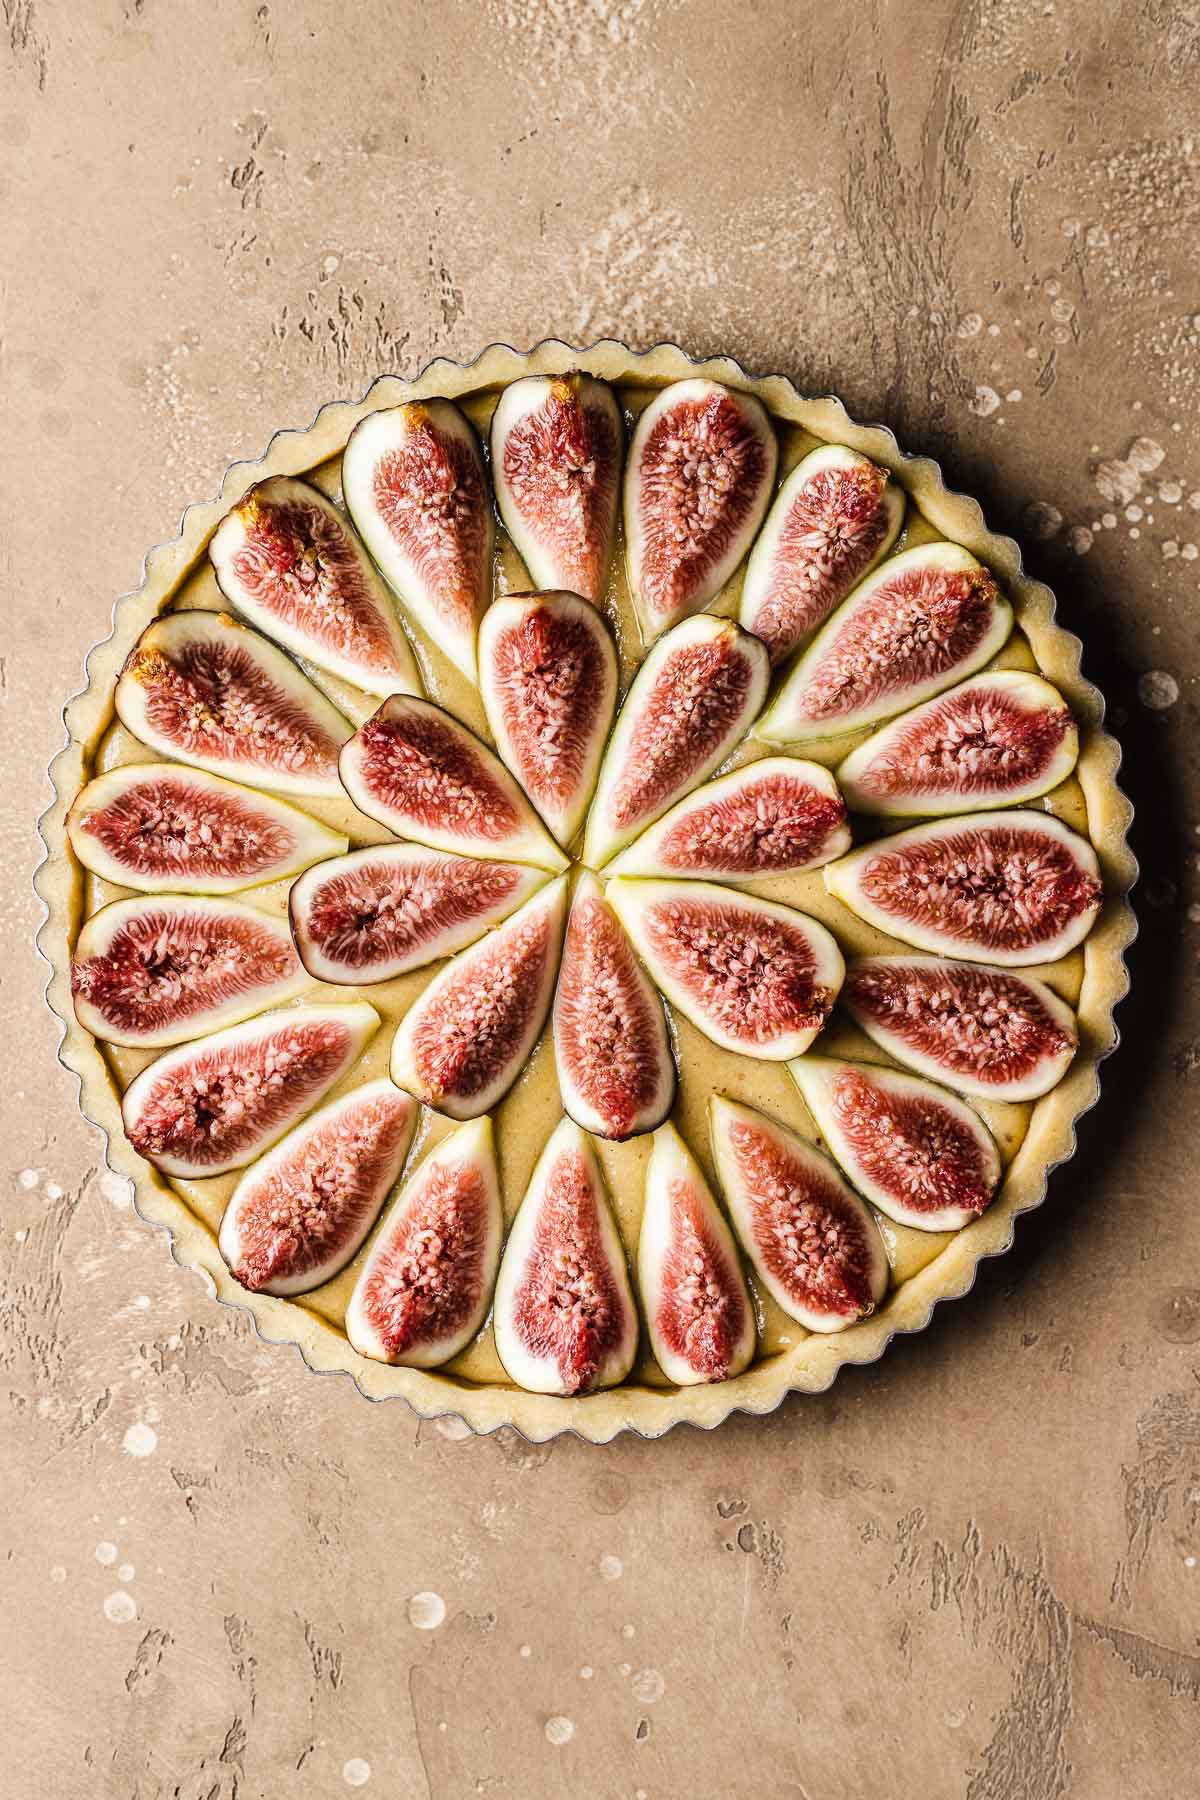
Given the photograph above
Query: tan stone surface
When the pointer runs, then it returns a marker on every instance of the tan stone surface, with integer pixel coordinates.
(973, 1570)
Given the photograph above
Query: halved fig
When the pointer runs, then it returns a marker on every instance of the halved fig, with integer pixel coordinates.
(610, 1035)
(565, 1321)
(292, 564)
(548, 678)
(915, 1150)
(988, 1032)
(698, 1312)
(415, 769)
(426, 1285)
(754, 976)
(997, 738)
(163, 828)
(380, 912)
(835, 516)
(814, 1245)
(414, 484)
(158, 971)
(216, 1104)
(1001, 887)
(298, 1216)
(922, 621)
(464, 1041)
(772, 817)
(700, 472)
(695, 696)
(202, 688)
(556, 462)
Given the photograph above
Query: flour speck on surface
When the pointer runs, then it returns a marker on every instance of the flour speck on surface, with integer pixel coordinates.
(116, 1189)
(649, 1686)
(106, 1553)
(559, 1730)
(140, 1440)
(1158, 690)
(611, 1567)
(120, 1608)
(426, 1611)
(356, 1771)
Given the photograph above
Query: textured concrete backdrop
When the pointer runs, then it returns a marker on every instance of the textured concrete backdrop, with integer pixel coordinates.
(973, 1570)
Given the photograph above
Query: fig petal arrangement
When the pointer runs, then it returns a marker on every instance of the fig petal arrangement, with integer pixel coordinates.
(816, 850)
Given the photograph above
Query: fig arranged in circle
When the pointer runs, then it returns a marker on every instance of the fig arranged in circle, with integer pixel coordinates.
(293, 565)
(835, 516)
(610, 1035)
(415, 486)
(381, 912)
(1000, 887)
(157, 971)
(916, 1151)
(754, 976)
(998, 738)
(301, 1212)
(464, 1041)
(698, 1312)
(548, 679)
(556, 445)
(700, 473)
(814, 1245)
(218, 1102)
(415, 769)
(427, 1282)
(565, 1321)
(772, 817)
(922, 621)
(162, 828)
(693, 699)
(200, 687)
(988, 1032)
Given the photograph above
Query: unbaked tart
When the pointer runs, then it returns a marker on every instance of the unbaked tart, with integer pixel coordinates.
(587, 890)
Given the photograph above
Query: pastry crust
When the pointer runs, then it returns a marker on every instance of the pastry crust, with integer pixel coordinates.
(810, 1365)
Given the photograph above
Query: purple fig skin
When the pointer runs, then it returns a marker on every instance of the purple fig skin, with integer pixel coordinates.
(556, 447)
(697, 484)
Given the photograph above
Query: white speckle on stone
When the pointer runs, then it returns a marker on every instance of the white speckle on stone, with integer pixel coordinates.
(1043, 520)
(58, 1573)
(624, 1668)
(955, 1718)
(116, 1189)
(120, 1608)
(1189, 553)
(142, 1302)
(525, 1651)
(985, 402)
(1069, 229)
(28, 1179)
(1170, 549)
(1194, 913)
(1133, 514)
(53, 1191)
(1134, 532)
(140, 1440)
(452, 1428)
(1108, 520)
(993, 330)
(1013, 395)
(627, 1631)
(20, 1236)
(611, 1567)
(559, 1730)
(1145, 454)
(1079, 539)
(356, 1771)
(126, 1573)
(106, 1553)
(970, 325)
(585, 1674)
(649, 1686)
(1170, 492)
(426, 1611)
(1063, 310)
(1189, 1561)
(1158, 690)
(331, 265)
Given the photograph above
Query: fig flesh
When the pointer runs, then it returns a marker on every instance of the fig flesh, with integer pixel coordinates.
(162, 828)
(695, 696)
(922, 621)
(427, 1282)
(698, 1312)
(610, 1035)
(415, 486)
(814, 1245)
(301, 1212)
(996, 739)
(772, 817)
(219, 1102)
(381, 912)
(916, 1151)
(755, 977)
(158, 971)
(415, 769)
(991, 1033)
(293, 565)
(548, 678)
(200, 687)
(700, 473)
(835, 516)
(556, 445)
(999, 887)
(565, 1321)
(464, 1041)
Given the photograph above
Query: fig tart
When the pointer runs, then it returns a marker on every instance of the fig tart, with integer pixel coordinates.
(587, 890)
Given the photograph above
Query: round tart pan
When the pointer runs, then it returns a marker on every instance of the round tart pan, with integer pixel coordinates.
(944, 1267)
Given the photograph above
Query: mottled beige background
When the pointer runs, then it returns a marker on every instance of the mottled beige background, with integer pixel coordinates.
(971, 1571)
